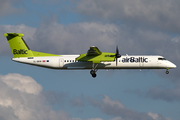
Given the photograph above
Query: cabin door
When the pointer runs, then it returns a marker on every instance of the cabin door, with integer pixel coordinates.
(61, 62)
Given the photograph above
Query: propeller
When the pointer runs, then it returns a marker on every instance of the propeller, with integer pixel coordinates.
(117, 54)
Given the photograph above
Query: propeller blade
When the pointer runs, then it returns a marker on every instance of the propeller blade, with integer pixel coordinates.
(117, 50)
(117, 54)
(116, 61)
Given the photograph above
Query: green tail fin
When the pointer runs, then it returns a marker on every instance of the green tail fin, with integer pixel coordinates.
(18, 46)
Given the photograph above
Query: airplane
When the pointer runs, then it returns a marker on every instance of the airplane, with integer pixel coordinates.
(94, 59)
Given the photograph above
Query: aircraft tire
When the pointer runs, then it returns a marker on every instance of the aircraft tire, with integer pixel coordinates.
(167, 72)
(94, 75)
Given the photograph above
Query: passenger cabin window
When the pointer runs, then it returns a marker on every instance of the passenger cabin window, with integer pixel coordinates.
(161, 59)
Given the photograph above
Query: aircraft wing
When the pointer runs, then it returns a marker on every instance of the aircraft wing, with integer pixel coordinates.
(93, 51)
(96, 56)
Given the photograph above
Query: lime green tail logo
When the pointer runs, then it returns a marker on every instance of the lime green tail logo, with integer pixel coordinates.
(18, 46)
(21, 51)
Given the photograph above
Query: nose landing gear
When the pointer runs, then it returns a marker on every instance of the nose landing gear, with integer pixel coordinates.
(167, 71)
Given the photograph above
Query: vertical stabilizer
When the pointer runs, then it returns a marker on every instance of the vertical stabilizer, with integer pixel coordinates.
(18, 46)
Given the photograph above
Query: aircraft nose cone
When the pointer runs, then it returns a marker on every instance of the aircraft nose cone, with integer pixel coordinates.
(173, 65)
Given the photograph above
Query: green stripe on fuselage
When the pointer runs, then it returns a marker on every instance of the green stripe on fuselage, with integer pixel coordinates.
(41, 54)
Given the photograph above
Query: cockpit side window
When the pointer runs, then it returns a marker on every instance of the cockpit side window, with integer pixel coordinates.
(161, 58)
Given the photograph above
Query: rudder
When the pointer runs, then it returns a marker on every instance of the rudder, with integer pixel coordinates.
(18, 46)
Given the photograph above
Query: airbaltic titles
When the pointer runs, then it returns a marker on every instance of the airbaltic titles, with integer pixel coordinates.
(134, 59)
(18, 52)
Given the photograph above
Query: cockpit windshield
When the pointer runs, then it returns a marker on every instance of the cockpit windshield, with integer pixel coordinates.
(161, 58)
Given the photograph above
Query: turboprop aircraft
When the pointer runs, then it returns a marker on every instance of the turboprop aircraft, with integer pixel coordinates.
(94, 59)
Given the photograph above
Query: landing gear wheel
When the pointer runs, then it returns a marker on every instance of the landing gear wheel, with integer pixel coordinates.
(167, 72)
(94, 75)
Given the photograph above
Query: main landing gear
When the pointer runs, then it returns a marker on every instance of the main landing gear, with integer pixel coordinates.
(167, 71)
(94, 70)
(93, 73)
(94, 66)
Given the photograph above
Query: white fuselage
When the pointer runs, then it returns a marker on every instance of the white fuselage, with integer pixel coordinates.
(125, 62)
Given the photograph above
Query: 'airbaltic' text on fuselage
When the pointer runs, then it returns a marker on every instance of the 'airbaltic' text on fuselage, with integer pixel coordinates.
(134, 59)
(21, 51)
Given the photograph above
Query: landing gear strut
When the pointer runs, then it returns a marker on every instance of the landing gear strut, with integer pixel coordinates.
(167, 71)
(94, 70)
